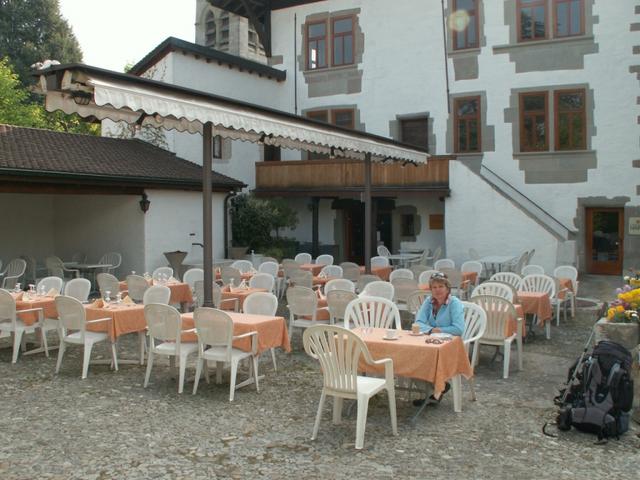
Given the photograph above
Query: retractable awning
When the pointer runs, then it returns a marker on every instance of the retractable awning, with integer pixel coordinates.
(103, 94)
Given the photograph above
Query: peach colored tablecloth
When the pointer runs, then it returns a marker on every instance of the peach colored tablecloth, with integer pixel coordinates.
(562, 284)
(536, 303)
(314, 268)
(180, 292)
(382, 272)
(413, 358)
(321, 280)
(244, 276)
(125, 319)
(272, 331)
(241, 295)
(48, 304)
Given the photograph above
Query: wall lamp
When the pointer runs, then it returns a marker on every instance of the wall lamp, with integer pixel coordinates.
(145, 203)
(81, 98)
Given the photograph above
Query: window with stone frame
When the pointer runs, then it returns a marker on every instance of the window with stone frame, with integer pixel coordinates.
(466, 124)
(568, 18)
(316, 41)
(571, 122)
(464, 24)
(535, 18)
(534, 123)
(340, 117)
(210, 30)
(342, 41)
(415, 131)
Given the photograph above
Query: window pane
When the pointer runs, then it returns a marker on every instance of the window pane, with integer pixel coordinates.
(344, 118)
(562, 19)
(570, 101)
(465, 5)
(473, 135)
(337, 51)
(317, 30)
(525, 24)
(415, 132)
(563, 132)
(575, 18)
(462, 137)
(348, 49)
(471, 33)
(342, 26)
(533, 103)
(578, 129)
(539, 21)
(322, 54)
(467, 107)
(540, 134)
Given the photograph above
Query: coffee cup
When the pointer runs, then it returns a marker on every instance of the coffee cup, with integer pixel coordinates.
(415, 328)
(392, 333)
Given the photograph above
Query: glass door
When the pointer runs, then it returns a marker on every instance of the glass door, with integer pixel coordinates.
(605, 232)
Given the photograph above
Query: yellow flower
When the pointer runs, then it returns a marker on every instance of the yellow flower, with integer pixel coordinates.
(620, 308)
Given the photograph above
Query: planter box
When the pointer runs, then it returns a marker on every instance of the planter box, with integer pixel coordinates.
(626, 334)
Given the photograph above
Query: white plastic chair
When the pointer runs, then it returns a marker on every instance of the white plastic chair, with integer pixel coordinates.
(337, 301)
(379, 262)
(231, 276)
(425, 276)
(511, 278)
(165, 324)
(350, 271)
(302, 258)
(475, 324)
(161, 273)
(78, 288)
(215, 344)
(244, 266)
(331, 271)
(13, 272)
(262, 280)
(499, 311)
(339, 352)
(372, 312)
(444, 263)
(273, 269)
(114, 259)
(324, 259)
(543, 284)
(339, 284)
(11, 324)
(472, 266)
(415, 301)
(216, 297)
(378, 288)
(402, 288)
(364, 280)
(302, 302)
(192, 275)
(56, 268)
(73, 331)
(400, 273)
(108, 283)
(570, 272)
(136, 287)
(496, 289)
(47, 284)
(156, 294)
(301, 278)
(383, 251)
(532, 270)
(262, 303)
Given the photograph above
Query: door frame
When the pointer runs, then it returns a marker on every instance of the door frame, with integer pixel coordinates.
(603, 268)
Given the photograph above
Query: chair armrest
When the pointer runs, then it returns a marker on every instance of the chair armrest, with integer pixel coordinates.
(388, 367)
(254, 340)
(99, 320)
(188, 330)
(30, 310)
(235, 300)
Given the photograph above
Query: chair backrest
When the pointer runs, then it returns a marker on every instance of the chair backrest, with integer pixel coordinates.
(379, 262)
(511, 278)
(444, 263)
(7, 307)
(324, 259)
(472, 266)
(162, 273)
(111, 258)
(157, 294)
(499, 311)
(473, 254)
(192, 275)
(332, 271)
(262, 280)
(364, 280)
(260, 303)
(567, 271)
(496, 289)
(269, 267)
(339, 284)
(400, 273)
(372, 312)
(79, 257)
(379, 288)
(164, 322)
(231, 276)
(54, 266)
(338, 350)
(383, 251)
(301, 277)
(532, 269)
(454, 276)
(475, 322)
(350, 271)
(303, 258)
(71, 313)
(137, 286)
(30, 271)
(108, 283)
(425, 276)
(215, 328)
(302, 300)
(289, 268)
(15, 269)
(269, 259)
(417, 269)
(538, 283)
(78, 288)
(415, 300)
(337, 301)
(47, 283)
(198, 290)
(437, 254)
(402, 288)
(244, 266)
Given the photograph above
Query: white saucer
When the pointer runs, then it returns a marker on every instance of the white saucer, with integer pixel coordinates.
(390, 338)
(416, 334)
(441, 335)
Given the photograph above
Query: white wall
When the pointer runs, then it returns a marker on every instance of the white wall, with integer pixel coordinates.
(426, 206)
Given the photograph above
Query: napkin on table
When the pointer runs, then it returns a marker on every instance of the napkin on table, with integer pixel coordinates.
(98, 303)
(127, 300)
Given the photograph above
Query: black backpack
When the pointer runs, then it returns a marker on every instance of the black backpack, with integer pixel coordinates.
(600, 392)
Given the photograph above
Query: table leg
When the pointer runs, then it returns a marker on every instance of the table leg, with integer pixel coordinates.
(456, 387)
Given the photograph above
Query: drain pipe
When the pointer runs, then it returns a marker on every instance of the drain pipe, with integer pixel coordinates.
(446, 58)
(226, 221)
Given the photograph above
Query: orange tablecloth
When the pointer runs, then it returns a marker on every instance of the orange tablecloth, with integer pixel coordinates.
(48, 304)
(125, 319)
(272, 331)
(244, 276)
(413, 358)
(382, 272)
(180, 292)
(536, 303)
(240, 294)
(562, 284)
(314, 268)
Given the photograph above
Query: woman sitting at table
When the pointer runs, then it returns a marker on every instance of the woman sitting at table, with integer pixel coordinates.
(440, 313)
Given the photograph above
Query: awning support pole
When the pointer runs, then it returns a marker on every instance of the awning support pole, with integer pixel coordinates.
(315, 243)
(368, 230)
(207, 214)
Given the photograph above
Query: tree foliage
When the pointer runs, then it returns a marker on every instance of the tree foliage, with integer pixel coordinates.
(32, 31)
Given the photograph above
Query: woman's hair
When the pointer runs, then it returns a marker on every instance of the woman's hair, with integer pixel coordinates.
(441, 279)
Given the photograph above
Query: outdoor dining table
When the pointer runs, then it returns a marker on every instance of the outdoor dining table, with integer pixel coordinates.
(180, 292)
(536, 303)
(414, 358)
(240, 293)
(25, 301)
(382, 272)
(314, 268)
(272, 331)
(495, 263)
(403, 258)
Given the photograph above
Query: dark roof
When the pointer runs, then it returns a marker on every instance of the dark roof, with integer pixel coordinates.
(48, 156)
(173, 44)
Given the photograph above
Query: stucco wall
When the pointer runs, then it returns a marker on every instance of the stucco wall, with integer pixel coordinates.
(425, 206)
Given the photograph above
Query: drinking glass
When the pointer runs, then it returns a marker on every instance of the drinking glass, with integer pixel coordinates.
(107, 297)
(17, 287)
(32, 289)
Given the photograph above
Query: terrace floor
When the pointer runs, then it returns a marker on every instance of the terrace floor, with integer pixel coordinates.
(108, 426)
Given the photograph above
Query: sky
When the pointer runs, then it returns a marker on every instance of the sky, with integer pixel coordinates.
(113, 33)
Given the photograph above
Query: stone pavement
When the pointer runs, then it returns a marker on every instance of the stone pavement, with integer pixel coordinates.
(108, 426)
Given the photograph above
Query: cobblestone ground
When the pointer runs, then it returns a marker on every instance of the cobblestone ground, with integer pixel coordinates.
(108, 426)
